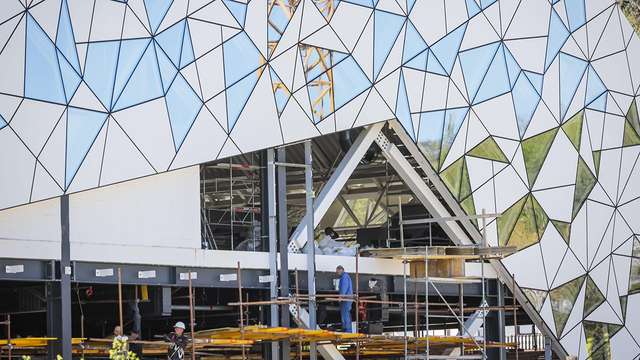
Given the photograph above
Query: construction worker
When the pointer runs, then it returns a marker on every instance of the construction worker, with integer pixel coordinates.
(135, 348)
(178, 342)
(345, 289)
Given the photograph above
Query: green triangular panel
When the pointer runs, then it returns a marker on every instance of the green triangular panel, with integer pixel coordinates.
(465, 184)
(573, 129)
(452, 177)
(584, 183)
(596, 160)
(630, 135)
(468, 206)
(623, 306)
(636, 248)
(488, 149)
(527, 231)
(541, 217)
(564, 228)
(536, 297)
(634, 276)
(535, 150)
(598, 336)
(508, 219)
(562, 300)
(632, 116)
(592, 297)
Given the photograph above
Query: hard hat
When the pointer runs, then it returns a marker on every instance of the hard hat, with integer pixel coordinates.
(180, 325)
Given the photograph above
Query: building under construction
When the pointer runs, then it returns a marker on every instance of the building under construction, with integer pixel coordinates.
(471, 165)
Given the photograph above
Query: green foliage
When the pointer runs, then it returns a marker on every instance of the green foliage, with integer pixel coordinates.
(120, 349)
(631, 9)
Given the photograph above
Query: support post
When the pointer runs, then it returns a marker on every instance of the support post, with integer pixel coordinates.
(65, 278)
(311, 246)
(283, 246)
(273, 245)
(192, 319)
(120, 320)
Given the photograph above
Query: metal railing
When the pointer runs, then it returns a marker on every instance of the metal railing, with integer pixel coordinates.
(528, 342)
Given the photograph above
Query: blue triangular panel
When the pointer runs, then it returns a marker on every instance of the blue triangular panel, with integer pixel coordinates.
(453, 118)
(70, 78)
(156, 10)
(575, 13)
(536, 80)
(237, 96)
(100, 69)
(525, 101)
(183, 106)
(348, 82)
(171, 40)
(475, 63)
(419, 62)
(496, 81)
(402, 108)
(387, 26)
(187, 56)
(241, 57)
(42, 75)
(64, 38)
(447, 48)
(558, 34)
(413, 43)
(486, 3)
(3, 123)
(599, 104)
(131, 52)
(239, 10)
(472, 8)
(595, 87)
(82, 128)
(430, 135)
(571, 71)
(433, 65)
(145, 83)
(168, 70)
(512, 66)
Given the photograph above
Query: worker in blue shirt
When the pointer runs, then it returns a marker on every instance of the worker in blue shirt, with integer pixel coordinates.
(345, 289)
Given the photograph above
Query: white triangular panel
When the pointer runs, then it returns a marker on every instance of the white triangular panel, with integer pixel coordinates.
(122, 161)
(86, 99)
(44, 186)
(295, 123)
(202, 143)
(520, 264)
(255, 24)
(148, 127)
(217, 13)
(17, 175)
(349, 21)
(261, 105)
(53, 153)
(34, 121)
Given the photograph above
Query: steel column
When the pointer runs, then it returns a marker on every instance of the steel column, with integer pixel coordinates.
(65, 278)
(310, 248)
(283, 246)
(273, 244)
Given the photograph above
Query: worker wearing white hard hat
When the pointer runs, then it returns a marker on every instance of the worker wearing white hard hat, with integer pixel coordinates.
(178, 342)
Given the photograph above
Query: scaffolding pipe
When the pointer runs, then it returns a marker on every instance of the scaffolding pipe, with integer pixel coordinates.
(120, 300)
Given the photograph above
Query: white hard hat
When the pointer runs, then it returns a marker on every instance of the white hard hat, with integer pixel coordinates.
(180, 325)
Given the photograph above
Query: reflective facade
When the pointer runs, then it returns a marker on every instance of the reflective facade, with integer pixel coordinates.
(528, 108)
